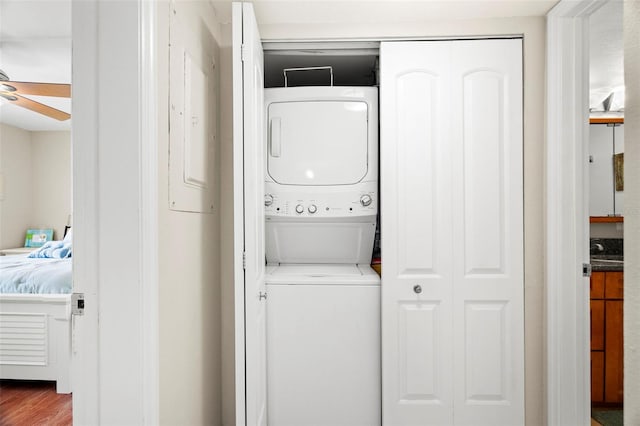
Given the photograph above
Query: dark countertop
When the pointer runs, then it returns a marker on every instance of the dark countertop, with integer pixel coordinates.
(607, 263)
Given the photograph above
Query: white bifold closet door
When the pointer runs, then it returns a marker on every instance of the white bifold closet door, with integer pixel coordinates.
(249, 234)
(452, 224)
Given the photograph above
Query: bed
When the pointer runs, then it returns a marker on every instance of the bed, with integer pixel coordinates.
(35, 315)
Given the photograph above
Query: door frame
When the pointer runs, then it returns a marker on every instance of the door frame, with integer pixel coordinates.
(102, 385)
(567, 226)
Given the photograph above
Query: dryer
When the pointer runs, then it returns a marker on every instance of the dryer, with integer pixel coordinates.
(321, 204)
(321, 174)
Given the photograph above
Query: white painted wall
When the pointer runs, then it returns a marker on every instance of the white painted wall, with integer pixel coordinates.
(51, 189)
(16, 168)
(606, 230)
(36, 167)
(632, 214)
(189, 267)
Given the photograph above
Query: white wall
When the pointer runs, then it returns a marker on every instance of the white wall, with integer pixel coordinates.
(51, 190)
(37, 182)
(17, 205)
(533, 29)
(632, 214)
(189, 268)
(606, 230)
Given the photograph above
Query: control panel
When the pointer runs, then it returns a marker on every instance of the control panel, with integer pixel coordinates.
(360, 202)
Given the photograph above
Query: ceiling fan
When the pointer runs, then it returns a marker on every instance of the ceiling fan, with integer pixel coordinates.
(13, 91)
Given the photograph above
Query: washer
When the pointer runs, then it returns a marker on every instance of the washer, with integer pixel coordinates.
(323, 345)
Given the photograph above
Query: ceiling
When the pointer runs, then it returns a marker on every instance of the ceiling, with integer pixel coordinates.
(35, 38)
(270, 12)
(35, 45)
(606, 52)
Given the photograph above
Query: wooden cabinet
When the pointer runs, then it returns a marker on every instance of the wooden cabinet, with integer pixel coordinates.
(606, 337)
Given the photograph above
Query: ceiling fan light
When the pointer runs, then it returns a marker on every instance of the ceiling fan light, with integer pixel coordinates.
(7, 88)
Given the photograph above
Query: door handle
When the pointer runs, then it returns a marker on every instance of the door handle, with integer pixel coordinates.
(417, 289)
(275, 142)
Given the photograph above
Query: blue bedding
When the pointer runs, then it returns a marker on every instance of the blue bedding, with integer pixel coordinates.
(21, 274)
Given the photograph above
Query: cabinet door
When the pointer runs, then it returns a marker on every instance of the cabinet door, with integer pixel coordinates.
(614, 354)
(452, 309)
(597, 325)
(614, 285)
(597, 376)
(597, 285)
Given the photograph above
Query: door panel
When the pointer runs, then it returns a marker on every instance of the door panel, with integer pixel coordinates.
(483, 170)
(418, 341)
(486, 355)
(248, 122)
(597, 376)
(417, 220)
(451, 191)
(487, 186)
(614, 351)
(417, 331)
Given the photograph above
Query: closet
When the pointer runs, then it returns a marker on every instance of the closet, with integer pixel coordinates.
(452, 226)
(451, 194)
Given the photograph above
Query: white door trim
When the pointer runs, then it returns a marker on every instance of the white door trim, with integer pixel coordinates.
(567, 231)
(148, 220)
(238, 215)
(84, 137)
(99, 199)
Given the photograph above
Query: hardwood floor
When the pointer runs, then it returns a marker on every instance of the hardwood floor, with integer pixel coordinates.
(33, 403)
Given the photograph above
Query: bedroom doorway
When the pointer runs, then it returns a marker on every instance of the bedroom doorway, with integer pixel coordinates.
(35, 210)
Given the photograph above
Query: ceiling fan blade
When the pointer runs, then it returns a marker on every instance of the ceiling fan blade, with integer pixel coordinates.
(57, 90)
(36, 106)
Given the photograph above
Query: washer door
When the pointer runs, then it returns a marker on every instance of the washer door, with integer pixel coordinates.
(317, 143)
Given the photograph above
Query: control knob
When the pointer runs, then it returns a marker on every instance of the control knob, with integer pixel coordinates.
(312, 208)
(366, 200)
(299, 208)
(268, 200)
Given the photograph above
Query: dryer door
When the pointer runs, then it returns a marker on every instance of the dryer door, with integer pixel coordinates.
(317, 143)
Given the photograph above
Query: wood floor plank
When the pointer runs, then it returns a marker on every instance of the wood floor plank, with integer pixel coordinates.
(33, 403)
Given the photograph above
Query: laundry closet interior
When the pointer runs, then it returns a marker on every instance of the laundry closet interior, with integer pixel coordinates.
(408, 151)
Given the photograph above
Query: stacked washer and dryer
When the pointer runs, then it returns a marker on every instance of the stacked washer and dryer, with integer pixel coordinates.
(323, 311)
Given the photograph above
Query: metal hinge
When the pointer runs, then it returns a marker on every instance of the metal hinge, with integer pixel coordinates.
(262, 295)
(586, 269)
(244, 260)
(77, 304)
(243, 53)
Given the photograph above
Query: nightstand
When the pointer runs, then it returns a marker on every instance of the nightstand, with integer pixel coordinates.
(17, 250)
